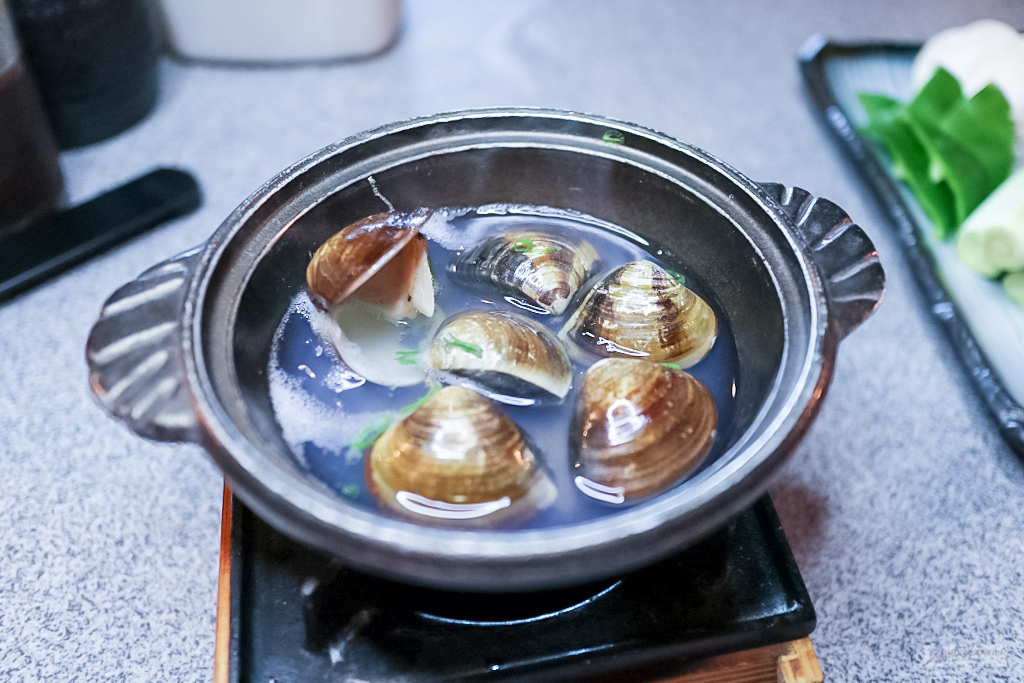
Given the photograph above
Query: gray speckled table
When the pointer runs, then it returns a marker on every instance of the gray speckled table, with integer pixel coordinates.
(903, 506)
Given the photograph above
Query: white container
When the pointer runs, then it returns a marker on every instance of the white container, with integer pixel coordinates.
(280, 30)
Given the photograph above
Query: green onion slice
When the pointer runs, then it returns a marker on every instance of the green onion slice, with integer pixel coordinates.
(369, 434)
(413, 407)
(406, 357)
(464, 346)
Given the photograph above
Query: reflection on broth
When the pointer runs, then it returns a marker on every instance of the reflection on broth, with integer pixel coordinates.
(356, 380)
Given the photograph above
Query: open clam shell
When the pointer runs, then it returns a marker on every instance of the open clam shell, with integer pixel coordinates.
(381, 259)
(640, 310)
(457, 457)
(511, 358)
(639, 428)
(545, 269)
(372, 345)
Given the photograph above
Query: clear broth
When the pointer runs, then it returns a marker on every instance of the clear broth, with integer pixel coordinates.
(323, 407)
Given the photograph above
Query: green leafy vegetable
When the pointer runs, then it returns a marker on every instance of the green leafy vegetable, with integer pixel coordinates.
(464, 346)
(950, 150)
(370, 433)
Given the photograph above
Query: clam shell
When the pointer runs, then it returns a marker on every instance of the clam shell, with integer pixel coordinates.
(458, 456)
(381, 259)
(639, 427)
(513, 359)
(640, 310)
(544, 268)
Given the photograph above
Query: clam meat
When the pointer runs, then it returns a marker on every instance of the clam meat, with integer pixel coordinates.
(545, 269)
(368, 280)
(457, 457)
(373, 346)
(640, 310)
(509, 357)
(639, 427)
(382, 260)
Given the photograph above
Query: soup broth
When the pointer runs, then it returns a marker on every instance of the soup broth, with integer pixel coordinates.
(330, 416)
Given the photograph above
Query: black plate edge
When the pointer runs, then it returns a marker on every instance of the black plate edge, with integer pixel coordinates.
(816, 52)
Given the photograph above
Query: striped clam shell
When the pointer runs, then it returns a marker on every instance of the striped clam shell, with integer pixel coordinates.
(512, 358)
(640, 310)
(639, 428)
(349, 259)
(545, 269)
(458, 456)
(135, 365)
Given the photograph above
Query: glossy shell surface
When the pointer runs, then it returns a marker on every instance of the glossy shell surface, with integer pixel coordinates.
(458, 456)
(639, 428)
(382, 256)
(640, 310)
(508, 355)
(545, 269)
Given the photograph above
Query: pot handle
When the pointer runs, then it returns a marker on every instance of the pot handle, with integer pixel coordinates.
(136, 368)
(847, 260)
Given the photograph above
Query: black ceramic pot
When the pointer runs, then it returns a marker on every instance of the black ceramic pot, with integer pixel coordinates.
(181, 353)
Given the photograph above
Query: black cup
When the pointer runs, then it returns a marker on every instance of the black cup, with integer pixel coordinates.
(30, 179)
(95, 62)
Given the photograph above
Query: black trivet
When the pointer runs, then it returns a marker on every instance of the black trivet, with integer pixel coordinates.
(299, 615)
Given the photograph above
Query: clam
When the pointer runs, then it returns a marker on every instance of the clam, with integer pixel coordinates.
(545, 269)
(368, 280)
(641, 310)
(382, 260)
(639, 427)
(458, 456)
(509, 357)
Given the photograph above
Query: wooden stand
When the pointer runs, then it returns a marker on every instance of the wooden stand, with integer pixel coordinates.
(792, 662)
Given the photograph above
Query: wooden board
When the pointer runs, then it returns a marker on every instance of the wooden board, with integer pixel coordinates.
(792, 662)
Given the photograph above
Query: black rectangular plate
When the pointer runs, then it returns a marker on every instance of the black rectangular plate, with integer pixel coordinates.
(818, 62)
(736, 590)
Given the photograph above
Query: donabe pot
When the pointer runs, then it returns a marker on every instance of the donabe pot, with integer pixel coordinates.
(181, 353)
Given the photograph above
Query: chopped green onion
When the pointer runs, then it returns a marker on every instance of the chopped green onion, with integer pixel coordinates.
(413, 407)
(674, 366)
(525, 245)
(370, 433)
(464, 346)
(406, 357)
(350, 490)
(677, 276)
(616, 137)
